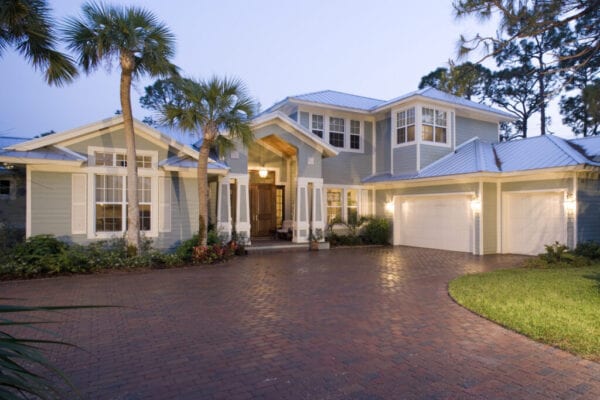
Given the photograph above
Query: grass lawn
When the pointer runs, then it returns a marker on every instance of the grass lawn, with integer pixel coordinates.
(560, 307)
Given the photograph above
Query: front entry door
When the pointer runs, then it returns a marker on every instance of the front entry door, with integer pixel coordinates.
(262, 209)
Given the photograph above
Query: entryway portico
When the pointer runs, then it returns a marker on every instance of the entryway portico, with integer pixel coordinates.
(277, 178)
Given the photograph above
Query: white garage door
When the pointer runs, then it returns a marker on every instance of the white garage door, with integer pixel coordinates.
(532, 220)
(438, 222)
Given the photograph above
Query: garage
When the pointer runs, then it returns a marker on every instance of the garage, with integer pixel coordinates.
(434, 221)
(532, 220)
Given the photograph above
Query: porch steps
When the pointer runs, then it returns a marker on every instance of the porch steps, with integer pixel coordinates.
(270, 245)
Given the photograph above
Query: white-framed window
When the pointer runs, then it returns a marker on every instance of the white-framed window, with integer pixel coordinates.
(119, 159)
(405, 126)
(317, 125)
(434, 125)
(343, 204)
(337, 131)
(354, 134)
(334, 205)
(111, 203)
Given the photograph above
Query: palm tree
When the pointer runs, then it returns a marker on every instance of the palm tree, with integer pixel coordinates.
(26, 25)
(143, 46)
(217, 110)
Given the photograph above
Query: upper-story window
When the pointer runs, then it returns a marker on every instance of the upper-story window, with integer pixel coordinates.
(336, 131)
(405, 126)
(355, 135)
(317, 125)
(434, 126)
(110, 159)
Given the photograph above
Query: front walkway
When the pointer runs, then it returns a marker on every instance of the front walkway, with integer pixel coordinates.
(342, 324)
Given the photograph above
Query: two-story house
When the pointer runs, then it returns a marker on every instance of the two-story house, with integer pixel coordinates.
(429, 161)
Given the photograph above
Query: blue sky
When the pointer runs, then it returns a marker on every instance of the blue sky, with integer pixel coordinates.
(377, 48)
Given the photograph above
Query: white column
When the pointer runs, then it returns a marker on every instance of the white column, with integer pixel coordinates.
(242, 212)
(224, 208)
(318, 212)
(301, 223)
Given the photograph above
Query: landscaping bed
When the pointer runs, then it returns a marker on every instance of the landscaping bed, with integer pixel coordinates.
(558, 306)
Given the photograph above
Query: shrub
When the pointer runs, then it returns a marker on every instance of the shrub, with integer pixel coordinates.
(10, 237)
(557, 255)
(589, 250)
(375, 231)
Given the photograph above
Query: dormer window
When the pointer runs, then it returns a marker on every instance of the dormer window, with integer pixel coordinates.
(405, 123)
(336, 131)
(317, 125)
(114, 159)
(434, 126)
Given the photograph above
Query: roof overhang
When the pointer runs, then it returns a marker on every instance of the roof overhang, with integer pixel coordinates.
(38, 161)
(283, 121)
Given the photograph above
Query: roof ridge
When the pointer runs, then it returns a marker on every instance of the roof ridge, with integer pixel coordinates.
(338, 92)
(568, 150)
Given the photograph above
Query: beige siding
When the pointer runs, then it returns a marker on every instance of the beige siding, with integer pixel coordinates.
(490, 218)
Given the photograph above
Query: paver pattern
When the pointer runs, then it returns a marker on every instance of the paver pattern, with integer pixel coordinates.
(365, 323)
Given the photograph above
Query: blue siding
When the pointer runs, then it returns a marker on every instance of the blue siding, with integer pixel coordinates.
(405, 159)
(588, 210)
(383, 139)
(431, 153)
(467, 128)
(348, 168)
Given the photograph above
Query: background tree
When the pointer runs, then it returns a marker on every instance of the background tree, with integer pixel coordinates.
(26, 25)
(513, 89)
(217, 110)
(466, 80)
(142, 45)
(530, 18)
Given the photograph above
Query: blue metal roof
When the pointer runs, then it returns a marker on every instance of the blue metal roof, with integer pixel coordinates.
(340, 99)
(45, 153)
(187, 162)
(6, 141)
(518, 155)
(589, 146)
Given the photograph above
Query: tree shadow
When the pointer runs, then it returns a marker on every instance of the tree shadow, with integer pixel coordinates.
(595, 277)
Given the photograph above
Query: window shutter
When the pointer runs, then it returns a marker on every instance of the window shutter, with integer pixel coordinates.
(164, 204)
(365, 204)
(78, 203)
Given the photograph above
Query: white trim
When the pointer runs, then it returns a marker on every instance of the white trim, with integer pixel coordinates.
(79, 204)
(481, 214)
(28, 189)
(576, 214)
(498, 218)
(373, 146)
(344, 203)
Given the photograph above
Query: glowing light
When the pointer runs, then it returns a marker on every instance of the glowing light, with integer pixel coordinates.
(570, 204)
(389, 207)
(263, 173)
(476, 205)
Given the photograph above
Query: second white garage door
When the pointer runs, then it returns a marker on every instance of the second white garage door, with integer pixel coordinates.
(438, 222)
(532, 220)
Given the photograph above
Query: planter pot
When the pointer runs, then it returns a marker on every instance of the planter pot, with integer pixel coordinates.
(313, 246)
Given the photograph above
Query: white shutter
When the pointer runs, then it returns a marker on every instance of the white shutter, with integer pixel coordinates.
(365, 204)
(78, 203)
(164, 204)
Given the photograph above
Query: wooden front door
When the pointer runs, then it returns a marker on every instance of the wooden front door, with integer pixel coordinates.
(262, 209)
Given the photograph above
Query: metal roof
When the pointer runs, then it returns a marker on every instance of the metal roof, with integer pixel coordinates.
(187, 162)
(474, 156)
(589, 146)
(49, 153)
(339, 99)
(6, 141)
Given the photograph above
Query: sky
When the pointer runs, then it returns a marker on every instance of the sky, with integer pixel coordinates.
(279, 48)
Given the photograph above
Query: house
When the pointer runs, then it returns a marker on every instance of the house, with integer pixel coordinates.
(429, 161)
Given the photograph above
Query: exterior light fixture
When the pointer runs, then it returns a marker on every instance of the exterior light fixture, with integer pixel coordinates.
(476, 205)
(389, 207)
(570, 204)
(263, 173)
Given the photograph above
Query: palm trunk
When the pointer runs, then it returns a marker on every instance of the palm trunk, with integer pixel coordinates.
(133, 209)
(203, 192)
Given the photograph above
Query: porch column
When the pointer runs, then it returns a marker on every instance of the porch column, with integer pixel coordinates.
(242, 223)
(224, 208)
(318, 220)
(301, 223)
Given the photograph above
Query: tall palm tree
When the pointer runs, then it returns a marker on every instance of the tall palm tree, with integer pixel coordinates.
(217, 110)
(142, 45)
(26, 25)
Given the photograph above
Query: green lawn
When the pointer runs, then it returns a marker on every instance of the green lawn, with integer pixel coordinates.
(560, 307)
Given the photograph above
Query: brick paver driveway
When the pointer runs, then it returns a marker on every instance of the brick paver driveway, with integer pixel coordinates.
(340, 324)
